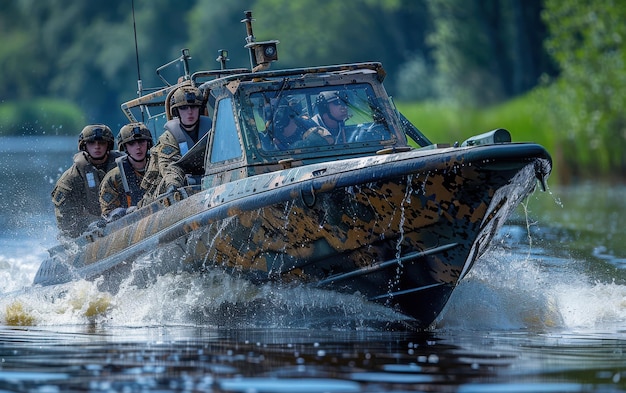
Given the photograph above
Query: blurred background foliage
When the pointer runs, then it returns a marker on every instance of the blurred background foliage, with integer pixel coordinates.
(551, 71)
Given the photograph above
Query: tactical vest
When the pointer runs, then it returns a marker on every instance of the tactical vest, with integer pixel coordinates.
(92, 177)
(153, 178)
(184, 140)
(130, 180)
(339, 134)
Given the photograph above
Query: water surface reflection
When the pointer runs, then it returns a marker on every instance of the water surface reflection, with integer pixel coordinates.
(201, 359)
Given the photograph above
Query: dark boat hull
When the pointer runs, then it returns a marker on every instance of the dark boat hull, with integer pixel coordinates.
(400, 229)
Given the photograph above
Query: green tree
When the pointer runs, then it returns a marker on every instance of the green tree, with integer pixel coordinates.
(487, 50)
(214, 26)
(322, 32)
(587, 39)
(315, 33)
(84, 51)
(19, 54)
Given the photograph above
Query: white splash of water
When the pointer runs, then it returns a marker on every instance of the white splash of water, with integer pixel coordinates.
(219, 299)
(214, 299)
(507, 291)
(500, 293)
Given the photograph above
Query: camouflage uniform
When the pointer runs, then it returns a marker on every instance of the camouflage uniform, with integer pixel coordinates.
(175, 141)
(75, 196)
(321, 102)
(161, 174)
(306, 133)
(114, 192)
(160, 170)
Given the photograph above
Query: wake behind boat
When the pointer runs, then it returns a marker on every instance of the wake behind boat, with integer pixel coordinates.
(377, 210)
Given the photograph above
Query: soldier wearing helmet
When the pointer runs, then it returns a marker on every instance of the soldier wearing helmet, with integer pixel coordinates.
(332, 112)
(287, 127)
(76, 193)
(187, 127)
(120, 191)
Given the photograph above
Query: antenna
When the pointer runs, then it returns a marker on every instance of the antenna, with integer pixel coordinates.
(262, 53)
(184, 58)
(222, 58)
(139, 83)
(249, 36)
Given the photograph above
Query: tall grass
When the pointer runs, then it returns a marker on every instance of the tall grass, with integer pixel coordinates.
(526, 118)
(441, 122)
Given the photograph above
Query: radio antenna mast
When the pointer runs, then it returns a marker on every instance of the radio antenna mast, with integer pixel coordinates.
(139, 83)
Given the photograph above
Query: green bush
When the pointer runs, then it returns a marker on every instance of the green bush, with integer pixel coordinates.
(440, 122)
(526, 118)
(40, 117)
(444, 123)
(587, 101)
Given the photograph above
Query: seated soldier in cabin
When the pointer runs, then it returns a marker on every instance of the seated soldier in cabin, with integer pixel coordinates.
(120, 191)
(186, 128)
(332, 112)
(288, 128)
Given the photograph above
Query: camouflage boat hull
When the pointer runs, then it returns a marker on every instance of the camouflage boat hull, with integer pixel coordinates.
(401, 229)
(310, 176)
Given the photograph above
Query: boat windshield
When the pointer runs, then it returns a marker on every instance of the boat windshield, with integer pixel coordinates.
(316, 117)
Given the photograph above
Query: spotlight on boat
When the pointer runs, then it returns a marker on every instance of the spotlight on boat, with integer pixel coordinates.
(499, 135)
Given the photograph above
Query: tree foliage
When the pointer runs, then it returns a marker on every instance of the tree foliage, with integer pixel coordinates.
(588, 40)
(487, 50)
(84, 52)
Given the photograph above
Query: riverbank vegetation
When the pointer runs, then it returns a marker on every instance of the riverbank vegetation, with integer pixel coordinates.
(550, 71)
(40, 116)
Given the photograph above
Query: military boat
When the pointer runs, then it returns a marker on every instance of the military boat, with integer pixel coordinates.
(379, 212)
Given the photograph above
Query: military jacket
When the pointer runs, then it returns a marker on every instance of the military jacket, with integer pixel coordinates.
(76, 196)
(161, 174)
(338, 134)
(114, 193)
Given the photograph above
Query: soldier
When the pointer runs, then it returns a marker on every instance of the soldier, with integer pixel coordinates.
(332, 112)
(288, 128)
(120, 191)
(186, 128)
(76, 193)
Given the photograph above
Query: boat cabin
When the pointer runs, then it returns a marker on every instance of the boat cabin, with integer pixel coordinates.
(249, 110)
(264, 121)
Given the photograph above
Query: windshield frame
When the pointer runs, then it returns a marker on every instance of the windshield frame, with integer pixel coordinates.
(366, 104)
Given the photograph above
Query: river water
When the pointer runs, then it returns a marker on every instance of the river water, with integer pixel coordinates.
(543, 311)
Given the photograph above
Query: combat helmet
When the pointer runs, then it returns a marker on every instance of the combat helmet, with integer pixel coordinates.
(185, 95)
(326, 97)
(288, 108)
(95, 132)
(133, 132)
